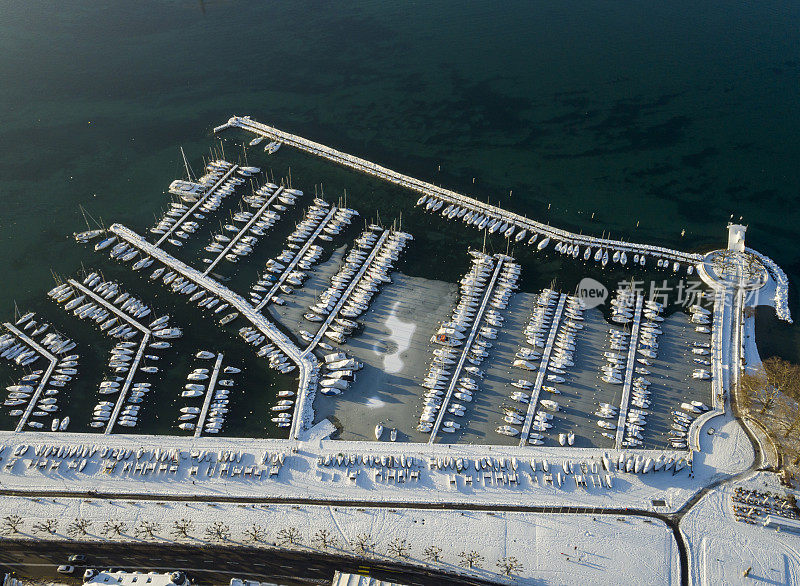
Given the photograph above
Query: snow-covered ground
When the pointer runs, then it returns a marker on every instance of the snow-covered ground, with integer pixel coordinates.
(551, 548)
(721, 549)
(400, 336)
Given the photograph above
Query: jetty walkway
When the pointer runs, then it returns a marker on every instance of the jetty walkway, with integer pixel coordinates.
(633, 348)
(451, 197)
(44, 380)
(297, 257)
(196, 205)
(212, 383)
(243, 231)
(540, 375)
(306, 362)
(347, 292)
(467, 345)
(134, 366)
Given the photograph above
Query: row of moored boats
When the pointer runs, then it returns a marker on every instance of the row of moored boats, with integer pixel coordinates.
(566, 244)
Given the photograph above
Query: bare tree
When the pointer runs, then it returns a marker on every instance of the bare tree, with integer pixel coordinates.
(11, 524)
(218, 531)
(399, 548)
(182, 528)
(113, 527)
(289, 536)
(46, 526)
(364, 543)
(255, 533)
(509, 565)
(147, 530)
(760, 394)
(324, 538)
(787, 416)
(432, 553)
(471, 559)
(79, 527)
(783, 376)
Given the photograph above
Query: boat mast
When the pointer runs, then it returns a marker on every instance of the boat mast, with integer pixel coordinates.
(186, 165)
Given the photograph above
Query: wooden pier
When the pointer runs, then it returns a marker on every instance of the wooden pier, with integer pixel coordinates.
(146, 335)
(542, 373)
(196, 205)
(42, 382)
(212, 383)
(300, 254)
(243, 231)
(467, 345)
(633, 346)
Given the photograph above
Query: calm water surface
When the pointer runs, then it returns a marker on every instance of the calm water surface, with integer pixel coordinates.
(648, 122)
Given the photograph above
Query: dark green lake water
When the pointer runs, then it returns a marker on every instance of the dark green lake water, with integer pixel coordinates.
(651, 122)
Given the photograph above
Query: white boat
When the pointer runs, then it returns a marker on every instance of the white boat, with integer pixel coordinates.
(507, 430)
(378, 431)
(393, 434)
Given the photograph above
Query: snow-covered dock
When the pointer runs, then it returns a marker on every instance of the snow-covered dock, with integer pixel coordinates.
(540, 376)
(212, 383)
(297, 257)
(633, 346)
(517, 221)
(146, 334)
(306, 362)
(196, 205)
(243, 230)
(347, 292)
(473, 332)
(45, 377)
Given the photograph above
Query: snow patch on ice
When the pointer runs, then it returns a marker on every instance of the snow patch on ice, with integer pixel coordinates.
(400, 333)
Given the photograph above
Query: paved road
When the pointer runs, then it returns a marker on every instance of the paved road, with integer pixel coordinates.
(210, 565)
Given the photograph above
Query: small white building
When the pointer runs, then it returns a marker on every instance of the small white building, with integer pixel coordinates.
(736, 237)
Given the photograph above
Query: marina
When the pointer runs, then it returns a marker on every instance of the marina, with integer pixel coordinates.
(629, 371)
(201, 201)
(484, 354)
(394, 388)
(301, 254)
(496, 267)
